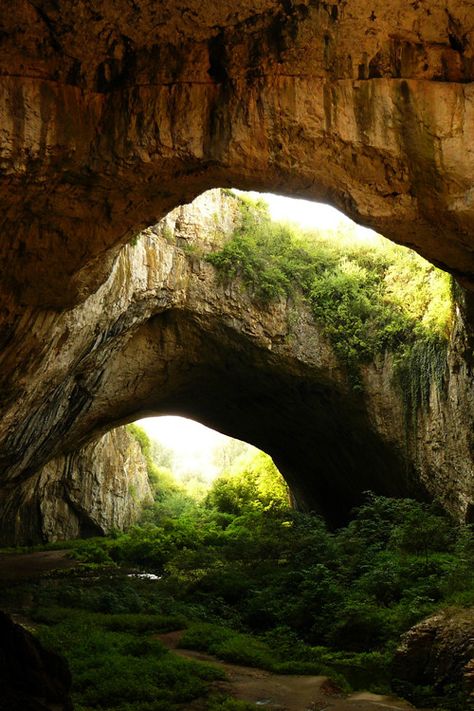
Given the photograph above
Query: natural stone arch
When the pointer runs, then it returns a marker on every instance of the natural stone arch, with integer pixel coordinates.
(163, 335)
(319, 435)
(113, 116)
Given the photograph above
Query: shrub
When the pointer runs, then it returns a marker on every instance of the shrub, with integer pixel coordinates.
(367, 299)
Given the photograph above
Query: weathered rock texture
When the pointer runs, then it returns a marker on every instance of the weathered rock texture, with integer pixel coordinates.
(163, 335)
(113, 113)
(94, 490)
(438, 652)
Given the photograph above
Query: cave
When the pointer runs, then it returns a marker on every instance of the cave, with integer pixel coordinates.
(102, 137)
(114, 114)
(166, 335)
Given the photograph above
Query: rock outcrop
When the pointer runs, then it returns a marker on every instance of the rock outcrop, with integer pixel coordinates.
(31, 677)
(438, 652)
(113, 114)
(96, 489)
(165, 335)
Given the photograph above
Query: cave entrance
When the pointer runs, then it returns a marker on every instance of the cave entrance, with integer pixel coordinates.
(190, 464)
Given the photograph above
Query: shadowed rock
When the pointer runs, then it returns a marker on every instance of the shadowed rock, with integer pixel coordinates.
(31, 678)
(437, 652)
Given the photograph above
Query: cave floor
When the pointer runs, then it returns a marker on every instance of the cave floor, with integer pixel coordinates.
(275, 692)
(19, 566)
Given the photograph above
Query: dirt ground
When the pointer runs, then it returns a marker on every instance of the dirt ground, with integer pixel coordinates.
(278, 692)
(21, 566)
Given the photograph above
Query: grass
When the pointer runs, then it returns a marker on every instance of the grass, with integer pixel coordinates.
(265, 586)
(116, 663)
(228, 645)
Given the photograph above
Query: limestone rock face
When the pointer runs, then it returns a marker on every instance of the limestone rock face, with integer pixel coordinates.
(96, 489)
(165, 335)
(437, 439)
(113, 114)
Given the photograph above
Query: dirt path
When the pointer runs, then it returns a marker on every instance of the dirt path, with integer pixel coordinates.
(278, 692)
(21, 566)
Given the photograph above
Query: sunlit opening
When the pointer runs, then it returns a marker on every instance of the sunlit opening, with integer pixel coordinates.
(193, 449)
(314, 215)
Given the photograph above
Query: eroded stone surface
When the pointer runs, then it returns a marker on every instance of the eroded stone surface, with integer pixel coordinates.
(94, 490)
(437, 652)
(114, 113)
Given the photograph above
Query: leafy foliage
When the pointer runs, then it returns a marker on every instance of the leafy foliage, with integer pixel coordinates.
(252, 481)
(367, 299)
(254, 582)
(117, 669)
(264, 585)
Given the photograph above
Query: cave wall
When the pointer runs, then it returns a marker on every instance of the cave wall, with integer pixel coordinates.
(92, 491)
(165, 335)
(114, 114)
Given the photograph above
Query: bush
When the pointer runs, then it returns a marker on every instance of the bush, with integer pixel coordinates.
(261, 588)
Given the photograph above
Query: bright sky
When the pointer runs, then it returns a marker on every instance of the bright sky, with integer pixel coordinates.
(312, 215)
(303, 212)
(192, 442)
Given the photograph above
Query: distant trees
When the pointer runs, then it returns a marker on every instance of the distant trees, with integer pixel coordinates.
(162, 455)
(225, 454)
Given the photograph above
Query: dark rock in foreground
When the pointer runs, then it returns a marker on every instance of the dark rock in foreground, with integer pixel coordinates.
(31, 678)
(438, 652)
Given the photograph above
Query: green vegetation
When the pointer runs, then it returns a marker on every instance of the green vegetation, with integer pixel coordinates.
(246, 577)
(254, 582)
(118, 664)
(367, 298)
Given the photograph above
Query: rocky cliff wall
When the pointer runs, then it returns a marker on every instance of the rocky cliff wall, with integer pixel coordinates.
(115, 113)
(437, 437)
(164, 335)
(96, 489)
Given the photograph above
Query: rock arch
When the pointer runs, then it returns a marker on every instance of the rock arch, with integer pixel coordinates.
(163, 335)
(111, 116)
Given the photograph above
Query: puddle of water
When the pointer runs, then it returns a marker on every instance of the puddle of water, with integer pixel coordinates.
(148, 576)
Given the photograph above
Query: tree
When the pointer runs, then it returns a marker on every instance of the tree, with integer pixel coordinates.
(224, 455)
(252, 482)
